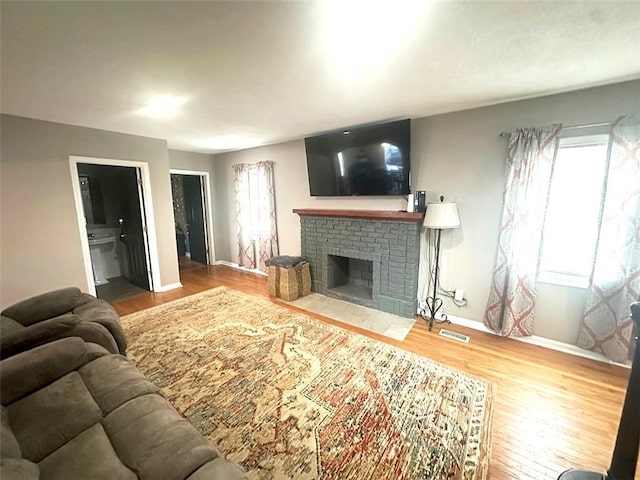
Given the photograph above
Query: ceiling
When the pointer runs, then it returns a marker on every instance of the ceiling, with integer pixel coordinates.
(256, 73)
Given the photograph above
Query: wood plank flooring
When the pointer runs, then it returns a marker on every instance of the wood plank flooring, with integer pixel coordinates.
(552, 411)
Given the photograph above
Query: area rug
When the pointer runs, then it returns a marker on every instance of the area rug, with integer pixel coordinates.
(386, 324)
(288, 397)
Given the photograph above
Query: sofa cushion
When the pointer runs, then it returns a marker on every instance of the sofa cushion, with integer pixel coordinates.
(219, 468)
(28, 371)
(45, 305)
(9, 326)
(154, 441)
(89, 455)
(9, 447)
(113, 380)
(18, 469)
(50, 417)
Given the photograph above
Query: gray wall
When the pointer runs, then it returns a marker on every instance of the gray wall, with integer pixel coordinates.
(181, 160)
(292, 191)
(460, 156)
(39, 236)
(201, 162)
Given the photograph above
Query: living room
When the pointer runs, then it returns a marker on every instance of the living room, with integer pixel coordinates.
(456, 151)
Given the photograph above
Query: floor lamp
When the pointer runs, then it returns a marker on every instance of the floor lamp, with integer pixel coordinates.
(439, 216)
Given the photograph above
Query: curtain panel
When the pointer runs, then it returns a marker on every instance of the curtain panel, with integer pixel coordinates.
(530, 158)
(607, 327)
(255, 214)
(267, 232)
(246, 257)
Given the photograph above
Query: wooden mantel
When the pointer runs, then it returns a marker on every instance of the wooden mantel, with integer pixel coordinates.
(369, 214)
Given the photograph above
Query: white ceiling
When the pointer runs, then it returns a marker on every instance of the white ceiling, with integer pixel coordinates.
(255, 73)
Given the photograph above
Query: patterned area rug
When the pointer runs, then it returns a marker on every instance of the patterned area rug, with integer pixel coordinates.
(287, 396)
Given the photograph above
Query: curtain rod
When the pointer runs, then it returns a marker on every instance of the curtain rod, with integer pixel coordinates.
(570, 127)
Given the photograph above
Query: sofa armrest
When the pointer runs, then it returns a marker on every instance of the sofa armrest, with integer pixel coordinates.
(93, 333)
(34, 369)
(36, 334)
(95, 351)
(44, 306)
(101, 312)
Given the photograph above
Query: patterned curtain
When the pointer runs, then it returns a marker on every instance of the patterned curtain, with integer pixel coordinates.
(255, 214)
(267, 234)
(511, 302)
(615, 281)
(246, 257)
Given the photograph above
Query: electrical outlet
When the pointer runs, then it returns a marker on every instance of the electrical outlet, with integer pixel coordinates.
(459, 295)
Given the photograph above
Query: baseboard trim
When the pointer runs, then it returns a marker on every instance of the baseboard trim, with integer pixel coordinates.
(166, 288)
(538, 341)
(238, 267)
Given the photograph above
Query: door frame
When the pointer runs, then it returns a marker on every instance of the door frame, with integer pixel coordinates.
(146, 209)
(211, 256)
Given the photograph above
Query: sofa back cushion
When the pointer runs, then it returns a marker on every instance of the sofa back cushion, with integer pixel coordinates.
(45, 305)
(50, 417)
(29, 371)
(36, 334)
(9, 326)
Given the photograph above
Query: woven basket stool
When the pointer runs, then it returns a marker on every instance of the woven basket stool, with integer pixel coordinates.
(289, 283)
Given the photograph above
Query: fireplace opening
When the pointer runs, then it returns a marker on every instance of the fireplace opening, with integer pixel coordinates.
(350, 277)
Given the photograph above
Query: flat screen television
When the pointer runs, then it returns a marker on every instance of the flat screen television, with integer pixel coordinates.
(369, 160)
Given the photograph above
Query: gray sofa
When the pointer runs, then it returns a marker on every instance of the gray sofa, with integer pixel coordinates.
(57, 314)
(71, 410)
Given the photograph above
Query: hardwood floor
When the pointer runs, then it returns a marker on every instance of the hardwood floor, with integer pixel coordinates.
(552, 411)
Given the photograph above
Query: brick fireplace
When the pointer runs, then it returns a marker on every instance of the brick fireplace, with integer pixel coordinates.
(363, 256)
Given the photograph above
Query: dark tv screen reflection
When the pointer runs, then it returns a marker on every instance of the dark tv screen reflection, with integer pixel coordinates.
(371, 160)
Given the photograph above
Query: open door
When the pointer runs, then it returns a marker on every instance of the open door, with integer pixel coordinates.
(196, 221)
(132, 233)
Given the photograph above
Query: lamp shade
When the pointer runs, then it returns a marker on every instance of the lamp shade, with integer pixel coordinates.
(442, 215)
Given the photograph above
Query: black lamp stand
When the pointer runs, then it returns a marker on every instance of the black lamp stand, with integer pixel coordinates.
(433, 302)
(625, 452)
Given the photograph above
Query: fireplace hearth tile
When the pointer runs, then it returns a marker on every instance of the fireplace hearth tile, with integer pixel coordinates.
(374, 320)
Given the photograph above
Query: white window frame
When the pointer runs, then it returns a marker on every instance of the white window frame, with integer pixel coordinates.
(566, 278)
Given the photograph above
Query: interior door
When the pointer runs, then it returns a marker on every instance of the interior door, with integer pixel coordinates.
(194, 206)
(132, 230)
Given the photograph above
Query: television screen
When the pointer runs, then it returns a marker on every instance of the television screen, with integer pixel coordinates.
(371, 160)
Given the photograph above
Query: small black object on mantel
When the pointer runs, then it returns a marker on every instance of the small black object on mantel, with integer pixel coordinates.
(625, 452)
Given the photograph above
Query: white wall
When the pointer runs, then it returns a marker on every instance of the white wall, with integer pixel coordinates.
(460, 156)
(39, 236)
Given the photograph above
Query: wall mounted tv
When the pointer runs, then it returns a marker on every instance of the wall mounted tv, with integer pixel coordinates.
(369, 160)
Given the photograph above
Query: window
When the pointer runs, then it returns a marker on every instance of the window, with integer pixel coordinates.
(573, 210)
(255, 214)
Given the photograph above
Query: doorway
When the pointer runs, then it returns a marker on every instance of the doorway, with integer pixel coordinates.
(190, 190)
(113, 218)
